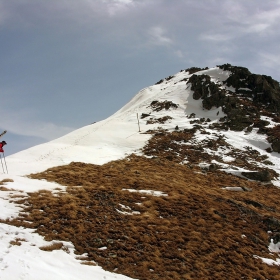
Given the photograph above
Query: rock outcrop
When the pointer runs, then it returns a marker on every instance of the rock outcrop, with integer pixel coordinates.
(244, 97)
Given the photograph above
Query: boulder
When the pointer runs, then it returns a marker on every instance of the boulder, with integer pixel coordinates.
(262, 176)
(213, 167)
(144, 115)
(275, 145)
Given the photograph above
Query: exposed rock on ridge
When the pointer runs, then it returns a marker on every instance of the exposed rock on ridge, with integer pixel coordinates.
(244, 97)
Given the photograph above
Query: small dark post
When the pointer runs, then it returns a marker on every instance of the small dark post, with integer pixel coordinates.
(138, 122)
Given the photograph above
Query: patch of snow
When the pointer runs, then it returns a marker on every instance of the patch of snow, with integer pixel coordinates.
(127, 208)
(102, 248)
(236, 189)
(245, 89)
(128, 213)
(274, 247)
(269, 261)
(148, 192)
(271, 122)
(27, 261)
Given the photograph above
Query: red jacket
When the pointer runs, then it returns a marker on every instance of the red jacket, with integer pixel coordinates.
(1, 148)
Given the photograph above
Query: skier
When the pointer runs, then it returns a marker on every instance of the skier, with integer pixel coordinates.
(3, 143)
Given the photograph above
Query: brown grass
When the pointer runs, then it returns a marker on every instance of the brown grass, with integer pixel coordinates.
(193, 233)
(4, 189)
(88, 263)
(52, 247)
(17, 241)
(6, 181)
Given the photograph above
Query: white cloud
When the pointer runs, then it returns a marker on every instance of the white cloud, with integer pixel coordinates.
(215, 37)
(270, 60)
(179, 53)
(30, 12)
(3, 13)
(253, 18)
(257, 27)
(266, 21)
(158, 36)
(238, 19)
(22, 123)
(117, 6)
(123, 1)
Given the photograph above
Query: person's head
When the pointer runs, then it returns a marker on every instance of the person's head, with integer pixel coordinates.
(4, 143)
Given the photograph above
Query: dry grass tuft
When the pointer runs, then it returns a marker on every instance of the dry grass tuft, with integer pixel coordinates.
(89, 263)
(6, 181)
(196, 232)
(17, 241)
(82, 258)
(4, 189)
(52, 247)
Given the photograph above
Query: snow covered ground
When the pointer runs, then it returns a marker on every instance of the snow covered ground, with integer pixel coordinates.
(99, 143)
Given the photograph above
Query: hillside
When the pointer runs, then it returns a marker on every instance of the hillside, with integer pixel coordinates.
(190, 193)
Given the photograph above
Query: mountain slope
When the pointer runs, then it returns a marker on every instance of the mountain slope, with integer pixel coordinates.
(191, 93)
(87, 144)
(198, 197)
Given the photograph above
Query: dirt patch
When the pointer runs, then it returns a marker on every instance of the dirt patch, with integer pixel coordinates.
(193, 229)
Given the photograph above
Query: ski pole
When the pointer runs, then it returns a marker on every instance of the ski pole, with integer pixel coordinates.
(5, 131)
(2, 164)
(5, 163)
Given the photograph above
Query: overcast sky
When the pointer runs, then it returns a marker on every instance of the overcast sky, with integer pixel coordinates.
(68, 63)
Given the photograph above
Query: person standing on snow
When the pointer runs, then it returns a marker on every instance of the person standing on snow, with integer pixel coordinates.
(3, 143)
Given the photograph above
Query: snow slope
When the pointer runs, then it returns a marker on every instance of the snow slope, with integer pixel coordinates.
(107, 140)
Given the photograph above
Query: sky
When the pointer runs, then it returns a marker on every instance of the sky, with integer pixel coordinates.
(67, 64)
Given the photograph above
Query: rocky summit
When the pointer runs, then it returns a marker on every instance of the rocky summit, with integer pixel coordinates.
(249, 103)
